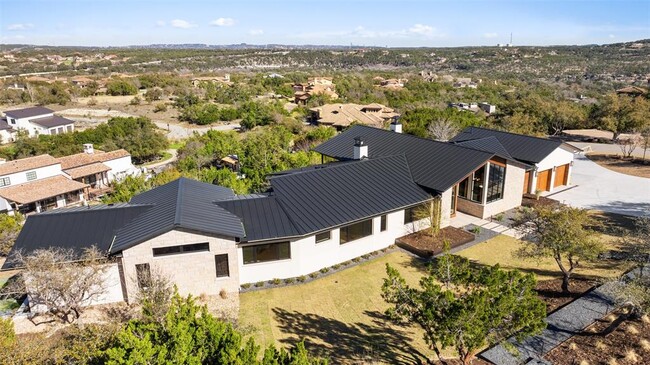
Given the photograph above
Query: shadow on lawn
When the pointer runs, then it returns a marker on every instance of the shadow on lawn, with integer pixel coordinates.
(342, 342)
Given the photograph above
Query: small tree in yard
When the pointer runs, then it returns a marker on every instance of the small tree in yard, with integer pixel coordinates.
(487, 306)
(10, 226)
(627, 146)
(561, 233)
(430, 212)
(62, 281)
(442, 130)
(155, 296)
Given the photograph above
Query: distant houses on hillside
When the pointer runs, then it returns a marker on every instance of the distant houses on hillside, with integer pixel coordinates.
(35, 121)
(314, 86)
(341, 116)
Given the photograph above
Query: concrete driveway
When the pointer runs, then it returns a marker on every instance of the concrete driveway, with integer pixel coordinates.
(596, 187)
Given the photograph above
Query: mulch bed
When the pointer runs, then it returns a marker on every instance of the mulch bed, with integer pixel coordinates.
(426, 246)
(550, 291)
(614, 339)
(623, 165)
(531, 201)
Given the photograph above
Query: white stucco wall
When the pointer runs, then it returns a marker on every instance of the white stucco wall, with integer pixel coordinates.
(41, 173)
(445, 209)
(111, 289)
(194, 272)
(307, 256)
(120, 168)
(6, 136)
(556, 158)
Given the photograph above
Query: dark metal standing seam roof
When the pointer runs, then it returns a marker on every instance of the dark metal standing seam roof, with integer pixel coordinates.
(183, 203)
(325, 198)
(524, 148)
(263, 218)
(75, 228)
(487, 144)
(28, 112)
(54, 121)
(434, 165)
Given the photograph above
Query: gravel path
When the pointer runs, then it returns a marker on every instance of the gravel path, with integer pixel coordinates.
(562, 325)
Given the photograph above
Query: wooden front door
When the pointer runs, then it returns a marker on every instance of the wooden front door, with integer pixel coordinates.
(526, 181)
(544, 180)
(561, 175)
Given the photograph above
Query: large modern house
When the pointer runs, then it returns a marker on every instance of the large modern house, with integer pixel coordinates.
(551, 160)
(207, 240)
(36, 120)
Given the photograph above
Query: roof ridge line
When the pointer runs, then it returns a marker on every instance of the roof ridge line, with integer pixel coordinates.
(336, 165)
(179, 203)
(512, 133)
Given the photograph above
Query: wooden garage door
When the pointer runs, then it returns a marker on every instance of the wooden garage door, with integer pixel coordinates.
(544, 180)
(561, 175)
(526, 182)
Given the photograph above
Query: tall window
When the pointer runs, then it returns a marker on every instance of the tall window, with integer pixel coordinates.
(5, 181)
(478, 183)
(174, 250)
(221, 264)
(356, 231)
(384, 223)
(31, 175)
(463, 188)
(268, 252)
(496, 182)
(143, 275)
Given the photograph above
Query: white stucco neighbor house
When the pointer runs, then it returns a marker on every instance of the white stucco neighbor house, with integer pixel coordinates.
(551, 161)
(37, 120)
(43, 182)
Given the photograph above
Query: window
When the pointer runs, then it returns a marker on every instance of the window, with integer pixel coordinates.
(5, 181)
(325, 236)
(463, 188)
(143, 275)
(221, 264)
(31, 175)
(382, 226)
(496, 182)
(356, 231)
(478, 181)
(174, 250)
(268, 252)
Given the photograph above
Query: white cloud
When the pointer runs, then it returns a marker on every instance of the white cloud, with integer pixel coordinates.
(20, 26)
(490, 35)
(183, 24)
(223, 22)
(425, 30)
(161, 23)
(256, 32)
(611, 36)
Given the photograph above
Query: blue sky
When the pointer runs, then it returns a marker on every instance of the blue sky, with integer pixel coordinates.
(360, 22)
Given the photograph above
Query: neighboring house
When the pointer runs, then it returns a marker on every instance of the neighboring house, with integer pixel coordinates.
(7, 133)
(314, 86)
(393, 83)
(98, 168)
(550, 161)
(38, 120)
(633, 91)
(340, 116)
(37, 184)
(81, 81)
(225, 80)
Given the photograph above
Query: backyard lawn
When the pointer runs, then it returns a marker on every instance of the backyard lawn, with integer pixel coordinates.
(341, 316)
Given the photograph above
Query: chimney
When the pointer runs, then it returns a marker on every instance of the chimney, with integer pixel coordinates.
(396, 125)
(360, 149)
(2, 160)
(88, 148)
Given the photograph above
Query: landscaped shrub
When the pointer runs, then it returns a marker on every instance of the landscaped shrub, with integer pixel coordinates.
(475, 230)
(259, 284)
(223, 294)
(313, 275)
(275, 281)
(246, 286)
(346, 263)
(289, 281)
(324, 270)
(336, 266)
(301, 278)
(356, 259)
(160, 107)
(366, 256)
(499, 217)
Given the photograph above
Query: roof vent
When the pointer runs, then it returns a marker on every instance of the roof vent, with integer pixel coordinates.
(360, 149)
(396, 125)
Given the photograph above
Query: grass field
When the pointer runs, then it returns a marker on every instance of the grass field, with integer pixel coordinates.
(341, 316)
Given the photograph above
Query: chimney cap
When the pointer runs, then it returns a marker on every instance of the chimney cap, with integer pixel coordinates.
(396, 120)
(358, 141)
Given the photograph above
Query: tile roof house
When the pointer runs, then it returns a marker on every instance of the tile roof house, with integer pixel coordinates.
(340, 116)
(551, 161)
(41, 183)
(37, 120)
(314, 86)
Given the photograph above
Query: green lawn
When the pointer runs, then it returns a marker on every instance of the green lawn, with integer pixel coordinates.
(500, 250)
(176, 145)
(340, 316)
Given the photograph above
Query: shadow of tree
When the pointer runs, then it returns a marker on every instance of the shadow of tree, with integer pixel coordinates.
(378, 340)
